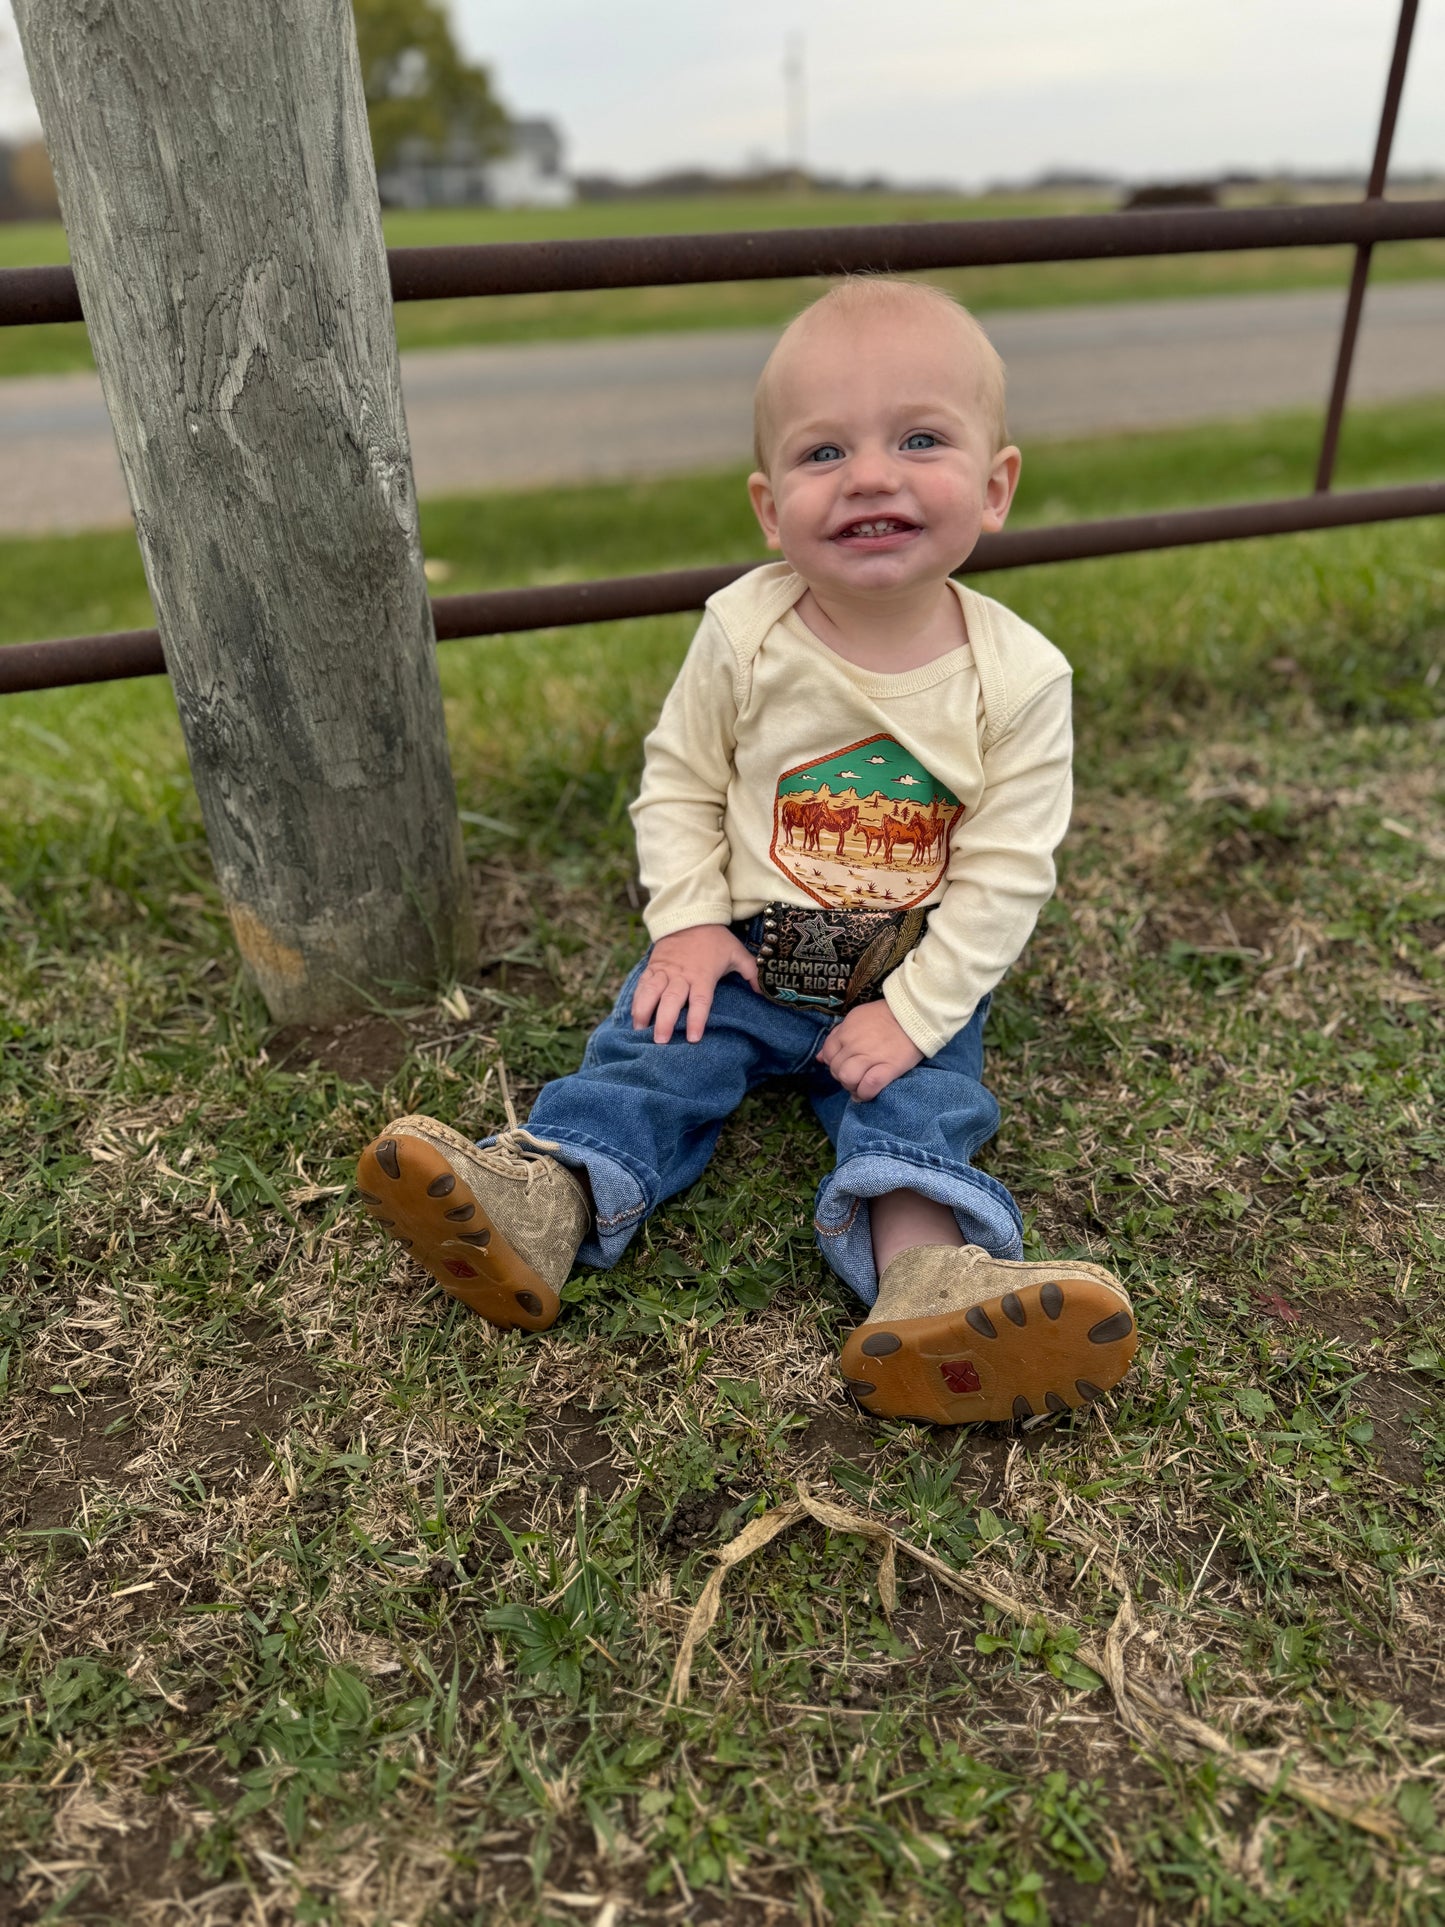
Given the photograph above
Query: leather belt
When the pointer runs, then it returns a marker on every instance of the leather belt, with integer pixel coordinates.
(829, 960)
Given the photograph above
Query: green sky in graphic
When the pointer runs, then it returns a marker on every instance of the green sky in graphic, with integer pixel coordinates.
(880, 764)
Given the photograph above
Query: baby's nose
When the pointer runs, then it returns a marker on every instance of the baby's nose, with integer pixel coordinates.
(873, 471)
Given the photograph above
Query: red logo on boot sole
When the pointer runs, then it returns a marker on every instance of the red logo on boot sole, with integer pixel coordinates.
(959, 1375)
(458, 1270)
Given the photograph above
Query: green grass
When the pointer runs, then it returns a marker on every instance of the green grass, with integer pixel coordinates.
(41, 243)
(436, 324)
(323, 1602)
(74, 585)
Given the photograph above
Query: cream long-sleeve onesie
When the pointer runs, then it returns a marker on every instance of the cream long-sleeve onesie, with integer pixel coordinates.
(779, 772)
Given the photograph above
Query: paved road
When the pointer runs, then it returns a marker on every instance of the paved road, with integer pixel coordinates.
(664, 404)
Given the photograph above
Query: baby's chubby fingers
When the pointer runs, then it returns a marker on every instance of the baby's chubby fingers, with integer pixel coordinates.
(850, 1068)
(867, 1050)
(662, 994)
(682, 973)
(842, 1059)
(678, 997)
(647, 995)
(873, 1078)
(742, 963)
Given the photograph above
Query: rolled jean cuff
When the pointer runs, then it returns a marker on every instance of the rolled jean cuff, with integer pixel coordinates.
(984, 1211)
(619, 1199)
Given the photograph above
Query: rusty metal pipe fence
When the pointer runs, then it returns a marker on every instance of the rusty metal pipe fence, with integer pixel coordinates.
(500, 612)
(31, 295)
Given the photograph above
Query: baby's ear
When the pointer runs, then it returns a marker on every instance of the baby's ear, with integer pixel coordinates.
(760, 494)
(1003, 479)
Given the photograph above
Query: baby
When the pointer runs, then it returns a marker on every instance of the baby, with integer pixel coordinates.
(846, 827)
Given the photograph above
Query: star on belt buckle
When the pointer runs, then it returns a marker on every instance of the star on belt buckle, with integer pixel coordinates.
(832, 959)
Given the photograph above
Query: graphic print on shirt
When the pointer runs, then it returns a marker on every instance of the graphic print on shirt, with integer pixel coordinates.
(865, 827)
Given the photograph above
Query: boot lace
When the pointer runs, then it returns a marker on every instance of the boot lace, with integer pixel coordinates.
(515, 1152)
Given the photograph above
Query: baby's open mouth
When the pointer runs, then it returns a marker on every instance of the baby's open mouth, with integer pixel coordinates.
(873, 527)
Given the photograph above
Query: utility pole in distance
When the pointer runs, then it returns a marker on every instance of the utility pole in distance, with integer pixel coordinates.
(795, 92)
(217, 184)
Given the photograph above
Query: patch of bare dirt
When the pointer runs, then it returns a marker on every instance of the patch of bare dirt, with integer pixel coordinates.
(368, 1050)
(83, 1442)
(849, 1434)
(120, 1860)
(1413, 1682)
(1357, 1316)
(136, 1868)
(230, 1439)
(574, 1867)
(517, 980)
(987, 1448)
(695, 1519)
(371, 1049)
(1360, 1319)
(1235, 927)
(939, 1623)
(517, 1512)
(1076, 1903)
(1213, 1558)
(79, 1440)
(577, 1445)
(837, 1434)
(1393, 1404)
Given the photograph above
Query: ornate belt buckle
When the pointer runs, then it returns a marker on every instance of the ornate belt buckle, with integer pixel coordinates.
(830, 960)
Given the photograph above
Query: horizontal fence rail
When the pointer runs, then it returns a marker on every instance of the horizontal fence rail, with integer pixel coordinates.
(527, 267)
(137, 652)
(44, 295)
(29, 295)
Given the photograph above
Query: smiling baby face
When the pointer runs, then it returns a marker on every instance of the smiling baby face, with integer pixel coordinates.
(880, 441)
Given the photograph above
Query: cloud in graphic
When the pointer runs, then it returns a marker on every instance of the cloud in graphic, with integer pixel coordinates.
(877, 759)
(912, 781)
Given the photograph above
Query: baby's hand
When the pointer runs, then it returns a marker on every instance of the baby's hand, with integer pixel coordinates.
(868, 1050)
(684, 969)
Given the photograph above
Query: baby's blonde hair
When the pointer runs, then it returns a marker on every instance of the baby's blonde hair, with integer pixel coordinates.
(859, 295)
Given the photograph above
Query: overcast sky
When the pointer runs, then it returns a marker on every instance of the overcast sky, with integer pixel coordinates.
(951, 90)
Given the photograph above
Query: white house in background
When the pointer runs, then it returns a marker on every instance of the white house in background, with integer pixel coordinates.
(530, 174)
(452, 174)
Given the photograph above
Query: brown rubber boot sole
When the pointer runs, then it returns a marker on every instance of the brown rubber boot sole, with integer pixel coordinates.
(418, 1198)
(1043, 1348)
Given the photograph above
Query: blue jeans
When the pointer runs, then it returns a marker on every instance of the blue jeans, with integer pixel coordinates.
(641, 1119)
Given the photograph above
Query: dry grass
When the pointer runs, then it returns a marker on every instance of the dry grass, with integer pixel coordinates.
(324, 1602)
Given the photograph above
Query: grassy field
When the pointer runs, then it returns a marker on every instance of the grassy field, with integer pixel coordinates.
(435, 324)
(322, 1602)
(74, 585)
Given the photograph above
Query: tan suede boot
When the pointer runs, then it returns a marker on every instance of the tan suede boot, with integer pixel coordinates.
(958, 1336)
(497, 1228)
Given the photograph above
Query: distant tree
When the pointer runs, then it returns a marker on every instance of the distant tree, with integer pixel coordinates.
(27, 187)
(33, 181)
(418, 84)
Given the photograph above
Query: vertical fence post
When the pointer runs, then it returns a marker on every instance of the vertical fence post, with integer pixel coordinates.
(218, 190)
(1355, 300)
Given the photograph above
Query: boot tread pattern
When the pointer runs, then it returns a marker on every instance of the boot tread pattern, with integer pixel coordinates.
(1043, 1348)
(424, 1200)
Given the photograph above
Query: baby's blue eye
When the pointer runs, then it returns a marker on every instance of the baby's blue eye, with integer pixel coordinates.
(828, 452)
(920, 439)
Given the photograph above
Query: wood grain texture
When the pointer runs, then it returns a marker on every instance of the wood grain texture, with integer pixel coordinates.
(218, 191)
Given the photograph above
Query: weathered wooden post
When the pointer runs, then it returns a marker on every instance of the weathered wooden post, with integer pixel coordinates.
(218, 189)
